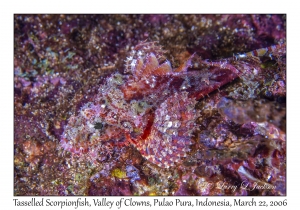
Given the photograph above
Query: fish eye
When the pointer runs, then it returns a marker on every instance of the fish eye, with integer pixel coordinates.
(98, 125)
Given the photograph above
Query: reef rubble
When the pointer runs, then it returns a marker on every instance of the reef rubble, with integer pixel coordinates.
(199, 108)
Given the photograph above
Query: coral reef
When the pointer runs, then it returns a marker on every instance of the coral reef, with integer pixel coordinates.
(197, 109)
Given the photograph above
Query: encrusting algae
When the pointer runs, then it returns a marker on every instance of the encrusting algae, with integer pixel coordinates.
(205, 103)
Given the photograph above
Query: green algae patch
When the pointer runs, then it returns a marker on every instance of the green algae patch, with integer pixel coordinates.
(118, 173)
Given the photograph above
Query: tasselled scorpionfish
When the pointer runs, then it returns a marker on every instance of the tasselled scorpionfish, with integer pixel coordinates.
(151, 107)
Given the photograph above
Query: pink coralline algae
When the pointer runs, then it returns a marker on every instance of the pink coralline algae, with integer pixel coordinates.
(196, 109)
